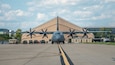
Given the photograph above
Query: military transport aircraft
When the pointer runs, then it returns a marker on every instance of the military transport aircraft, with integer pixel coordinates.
(58, 36)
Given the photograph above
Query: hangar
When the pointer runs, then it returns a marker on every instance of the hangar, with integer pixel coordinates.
(64, 26)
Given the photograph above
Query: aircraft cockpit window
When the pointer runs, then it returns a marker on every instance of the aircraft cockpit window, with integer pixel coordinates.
(58, 33)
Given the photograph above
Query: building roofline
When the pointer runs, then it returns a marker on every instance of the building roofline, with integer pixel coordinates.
(98, 27)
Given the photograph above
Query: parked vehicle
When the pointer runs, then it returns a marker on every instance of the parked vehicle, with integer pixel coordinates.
(13, 41)
(106, 40)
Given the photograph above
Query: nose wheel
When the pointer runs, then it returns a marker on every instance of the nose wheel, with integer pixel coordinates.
(63, 42)
(52, 42)
(58, 42)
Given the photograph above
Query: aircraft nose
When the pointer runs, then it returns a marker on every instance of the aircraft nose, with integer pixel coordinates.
(58, 37)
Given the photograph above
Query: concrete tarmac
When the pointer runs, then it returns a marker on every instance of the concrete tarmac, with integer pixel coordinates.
(48, 54)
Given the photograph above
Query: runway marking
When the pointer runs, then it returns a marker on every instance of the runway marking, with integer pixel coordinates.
(64, 56)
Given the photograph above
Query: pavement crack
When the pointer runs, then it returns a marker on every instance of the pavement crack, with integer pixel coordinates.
(113, 59)
(36, 55)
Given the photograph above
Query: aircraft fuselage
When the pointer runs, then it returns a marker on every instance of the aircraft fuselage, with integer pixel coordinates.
(58, 37)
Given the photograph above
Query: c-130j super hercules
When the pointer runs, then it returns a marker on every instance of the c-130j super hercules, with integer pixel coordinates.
(58, 36)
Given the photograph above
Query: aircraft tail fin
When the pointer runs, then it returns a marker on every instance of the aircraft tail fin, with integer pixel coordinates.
(57, 24)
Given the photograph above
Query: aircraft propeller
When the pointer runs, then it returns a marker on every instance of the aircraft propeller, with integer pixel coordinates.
(44, 32)
(71, 33)
(30, 33)
(85, 32)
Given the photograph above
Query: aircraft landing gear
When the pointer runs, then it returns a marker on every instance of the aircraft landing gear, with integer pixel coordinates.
(58, 42)
(52, 42)
(63, 42)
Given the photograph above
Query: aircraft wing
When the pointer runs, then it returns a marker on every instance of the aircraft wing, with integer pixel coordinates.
(87, 32)
(97, 31)
(43, 32)
(71, 32)
(31, 33)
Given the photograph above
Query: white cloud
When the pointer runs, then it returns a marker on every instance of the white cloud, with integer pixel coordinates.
(31, 9)
(19, 13)
(22, 13)
(64, 11)
(80, 19)
(58, 12)
(5, 6)
(41, 16)
(102, 16)
(35, 5)
(14, 14)
(109, 1)
(0, 11)
(2, 24)
(113, 12)
(82, 13)
(57, 2)
(9, 15)
(25, 25)
(93, 8)
(111, 24)
(84, 24)
(54, 2)
(31, 3)
(41, 11)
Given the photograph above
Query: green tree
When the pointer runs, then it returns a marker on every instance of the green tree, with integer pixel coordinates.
(18, 34)
(97, 35)
(103, 34)
(4, 36)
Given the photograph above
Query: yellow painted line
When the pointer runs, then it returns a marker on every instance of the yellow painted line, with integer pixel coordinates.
(64, 56)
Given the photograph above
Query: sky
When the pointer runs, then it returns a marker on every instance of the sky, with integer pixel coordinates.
(25, 14)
